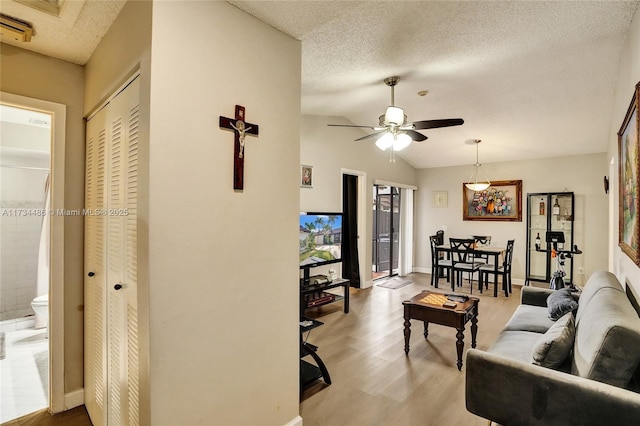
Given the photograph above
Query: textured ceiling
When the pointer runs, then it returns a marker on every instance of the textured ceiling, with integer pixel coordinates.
(72, 36)
(531, 79)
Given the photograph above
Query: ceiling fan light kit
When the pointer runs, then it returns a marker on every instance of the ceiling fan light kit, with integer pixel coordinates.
(397, 142)
(393, 131)
(473, 183)
(394, 116)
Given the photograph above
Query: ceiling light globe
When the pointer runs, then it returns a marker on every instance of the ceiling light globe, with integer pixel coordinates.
(402, 141)
(394, 116)
(478, 186)
(385, 141)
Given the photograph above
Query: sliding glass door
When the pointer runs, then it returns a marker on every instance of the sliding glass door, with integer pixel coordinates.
(386, 227)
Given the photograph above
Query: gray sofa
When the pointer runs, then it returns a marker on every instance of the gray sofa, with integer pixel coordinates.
(593, 386)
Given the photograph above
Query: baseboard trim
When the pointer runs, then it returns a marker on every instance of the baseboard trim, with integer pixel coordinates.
(295, 422)
(73, 399)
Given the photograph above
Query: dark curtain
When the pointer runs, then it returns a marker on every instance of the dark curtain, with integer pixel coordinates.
(350, 262)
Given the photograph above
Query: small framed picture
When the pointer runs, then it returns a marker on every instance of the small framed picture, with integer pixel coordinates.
(440, 198)
(306, 176)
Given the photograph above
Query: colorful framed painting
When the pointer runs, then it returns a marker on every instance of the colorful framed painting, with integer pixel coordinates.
(629, 180)
(306, 176)
(502, 201)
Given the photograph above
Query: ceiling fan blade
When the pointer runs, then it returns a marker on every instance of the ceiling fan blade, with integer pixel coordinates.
(371, 135)
(416, 136)
(350, 125)
(433, 124)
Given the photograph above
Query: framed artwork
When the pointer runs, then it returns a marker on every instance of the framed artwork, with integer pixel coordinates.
(440, 198)
(502, 201)
(306, 176)
(629, 180)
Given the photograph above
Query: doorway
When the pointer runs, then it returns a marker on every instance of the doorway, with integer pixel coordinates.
(386, 231)
(33, 164)
(25, 156)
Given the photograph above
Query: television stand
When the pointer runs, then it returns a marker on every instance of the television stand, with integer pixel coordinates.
(309, 372)
(315, 295)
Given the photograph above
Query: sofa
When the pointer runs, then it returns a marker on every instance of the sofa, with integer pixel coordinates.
(593, 385)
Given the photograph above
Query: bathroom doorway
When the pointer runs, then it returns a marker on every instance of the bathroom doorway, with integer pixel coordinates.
(32, 353)
(25, 166)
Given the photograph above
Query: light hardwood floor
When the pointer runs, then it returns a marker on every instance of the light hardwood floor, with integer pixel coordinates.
(373, 382)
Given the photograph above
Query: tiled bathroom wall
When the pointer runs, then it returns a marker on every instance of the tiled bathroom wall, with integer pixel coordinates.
(21, 198)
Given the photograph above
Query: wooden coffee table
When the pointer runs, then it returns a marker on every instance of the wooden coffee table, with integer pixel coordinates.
(428, 307)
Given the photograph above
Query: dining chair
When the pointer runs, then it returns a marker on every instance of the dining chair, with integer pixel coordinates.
(483, 240)
(503, 270)
(462, 250)
(437, 264)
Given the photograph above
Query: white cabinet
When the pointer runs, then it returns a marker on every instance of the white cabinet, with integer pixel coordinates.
(111, 315)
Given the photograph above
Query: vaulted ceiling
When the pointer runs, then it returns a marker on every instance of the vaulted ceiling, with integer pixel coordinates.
(532, 79)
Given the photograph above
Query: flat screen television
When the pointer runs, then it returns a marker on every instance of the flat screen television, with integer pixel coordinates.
(320, 239)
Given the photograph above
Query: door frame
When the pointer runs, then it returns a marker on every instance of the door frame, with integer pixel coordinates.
(392, 229)
(56, 267)
(362, 224)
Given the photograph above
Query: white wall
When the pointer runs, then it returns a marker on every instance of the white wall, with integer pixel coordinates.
(582, 175)
(36, 76)
(628, 76)
(224, 341)
(330, 150)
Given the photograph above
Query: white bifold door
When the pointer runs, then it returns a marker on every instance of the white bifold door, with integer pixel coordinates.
(111, 360)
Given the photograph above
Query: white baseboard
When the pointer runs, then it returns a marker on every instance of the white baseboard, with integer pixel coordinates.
(421, 270)
(295, 422)
(73, 399)
(366, 284)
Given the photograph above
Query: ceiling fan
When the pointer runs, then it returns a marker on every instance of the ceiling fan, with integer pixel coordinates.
(393, 129)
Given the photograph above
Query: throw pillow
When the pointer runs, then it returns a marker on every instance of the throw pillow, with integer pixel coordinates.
(554, 346)
(560, 302)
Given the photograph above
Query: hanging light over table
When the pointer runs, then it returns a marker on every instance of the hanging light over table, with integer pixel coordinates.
(473, 183)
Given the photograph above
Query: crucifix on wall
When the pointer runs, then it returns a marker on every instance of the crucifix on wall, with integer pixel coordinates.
(240, 129)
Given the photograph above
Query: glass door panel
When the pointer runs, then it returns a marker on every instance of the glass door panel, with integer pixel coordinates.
(386, 226)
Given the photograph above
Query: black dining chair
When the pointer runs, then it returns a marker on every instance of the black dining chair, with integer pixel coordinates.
(438, 265)
(503, 270)
(482, 240)
(462, 251)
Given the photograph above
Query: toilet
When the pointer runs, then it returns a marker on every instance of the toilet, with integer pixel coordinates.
(41, 307)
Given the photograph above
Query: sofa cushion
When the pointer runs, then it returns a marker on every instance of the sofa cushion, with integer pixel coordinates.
(607, 344)
(515, 345)
(597, 281)
(561, 302)
(554, 346)
(529, 318)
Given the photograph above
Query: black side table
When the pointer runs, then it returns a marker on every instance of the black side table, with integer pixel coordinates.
(309, 373)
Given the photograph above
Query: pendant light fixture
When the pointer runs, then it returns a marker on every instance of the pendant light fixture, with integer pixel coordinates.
(473, 183)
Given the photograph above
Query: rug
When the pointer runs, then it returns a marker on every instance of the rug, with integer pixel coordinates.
(394, 283)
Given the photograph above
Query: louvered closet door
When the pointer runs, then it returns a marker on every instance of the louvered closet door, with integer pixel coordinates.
(121, 381)
(123, 408)
(95, 343)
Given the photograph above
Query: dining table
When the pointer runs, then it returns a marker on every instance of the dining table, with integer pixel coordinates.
(490, 251)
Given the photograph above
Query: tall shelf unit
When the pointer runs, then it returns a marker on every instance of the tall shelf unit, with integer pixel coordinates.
(557, 215)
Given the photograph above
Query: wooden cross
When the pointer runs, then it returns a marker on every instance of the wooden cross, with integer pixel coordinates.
(240, 129)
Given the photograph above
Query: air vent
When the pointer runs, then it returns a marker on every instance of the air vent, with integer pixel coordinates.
(15, 29)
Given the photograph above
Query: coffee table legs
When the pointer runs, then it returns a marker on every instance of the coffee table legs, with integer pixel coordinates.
(460, 346)
(474, 330)
(459, 337)
(407, 334)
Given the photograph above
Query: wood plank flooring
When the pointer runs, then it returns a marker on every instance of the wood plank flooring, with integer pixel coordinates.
(373, 382)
